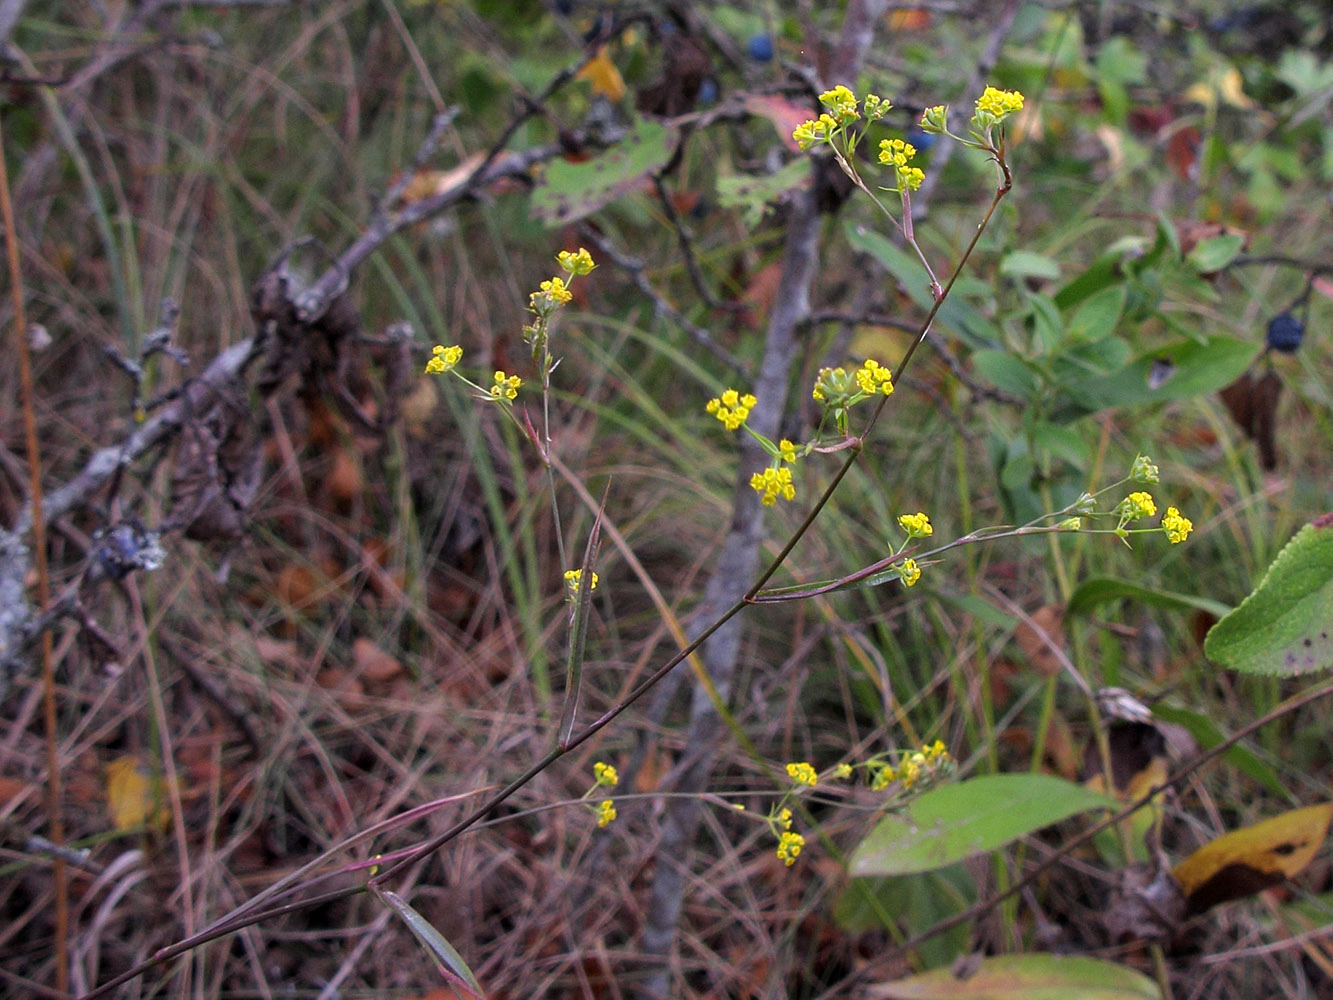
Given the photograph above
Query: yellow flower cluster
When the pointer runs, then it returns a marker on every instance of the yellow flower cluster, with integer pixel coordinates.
(443, 359)
(573, 577)
(605, 774)
(772, 484)
(789, 847)
(1176, 526)
(576, 263)
(916, 525)
(731, 408)
(898, 154)
(1000, 104)
(874, 379)
(606, 813)
(506, 386)
(812, 133)
(909, 572)
(842, 103)
(802, 772)
(919, 764)
(1136, 506)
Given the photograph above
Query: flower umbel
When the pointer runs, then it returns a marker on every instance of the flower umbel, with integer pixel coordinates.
(443, 359)
(605, 774)
(573, 577)
(999, 104)
(1176, 526)
(1136, 506)
(576, 263)
(909, 572)
(789, 847)
(874, 379)
(606, 813)
(802, 772)
(505, 387)
(1143, 471)
(841, 103)
(916, 525)
(772, 484)
(731, 408)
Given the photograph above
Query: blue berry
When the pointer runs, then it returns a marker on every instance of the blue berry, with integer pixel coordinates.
(1285, 332)
(708, 91)
(760, 47)
(920, 139)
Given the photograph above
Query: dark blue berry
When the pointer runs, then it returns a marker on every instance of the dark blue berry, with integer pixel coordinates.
(760, 47)
(1285, 332)
(920, 139)
(708, 90)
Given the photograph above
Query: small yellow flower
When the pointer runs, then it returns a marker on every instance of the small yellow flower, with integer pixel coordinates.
(999, 103)
(606, 813)
(784, 818)
(884, 776)
(506, 386)
(874, 379)
(772, 484)
(1136, 506)
(896, 152)
(789, 847)
(555, 291)
(916, 525)
(605, 774)
(841, 102)
(812, 133)
(443, 359)
(843, 771)
(731, 408)
(910, 769)
(802, 773)
(573, 577)
(1176, 526)
(576, 263)
(909, 572)
(788, 450)
(936, 751)
(1071, 524)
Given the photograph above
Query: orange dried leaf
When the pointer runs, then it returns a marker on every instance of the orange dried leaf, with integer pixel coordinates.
(602, 75)
(1253, 858)
(134, 799)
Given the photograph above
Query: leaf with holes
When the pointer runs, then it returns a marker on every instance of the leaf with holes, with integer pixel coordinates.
(571, 191)
(1286, 626)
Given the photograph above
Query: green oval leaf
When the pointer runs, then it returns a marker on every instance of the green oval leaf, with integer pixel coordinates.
(1286, 626)
(1027, 977)
(968, 817)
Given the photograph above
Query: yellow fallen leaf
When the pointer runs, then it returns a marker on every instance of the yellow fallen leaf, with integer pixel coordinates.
(134, 799)
(1253, 858)
(602, 74)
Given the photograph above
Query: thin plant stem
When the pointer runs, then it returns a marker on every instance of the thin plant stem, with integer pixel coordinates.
(54, 790)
